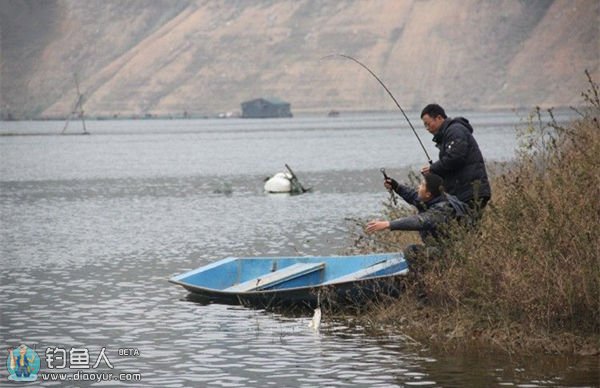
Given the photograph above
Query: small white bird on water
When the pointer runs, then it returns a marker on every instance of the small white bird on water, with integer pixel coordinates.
(315, 322)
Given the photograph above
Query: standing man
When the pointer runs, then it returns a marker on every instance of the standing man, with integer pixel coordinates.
(460, 161)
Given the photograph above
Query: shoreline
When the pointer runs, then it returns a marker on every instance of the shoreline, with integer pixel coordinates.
(299, 113)
(526, 279)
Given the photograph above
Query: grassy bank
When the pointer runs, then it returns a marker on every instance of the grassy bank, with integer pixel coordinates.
(529, 277)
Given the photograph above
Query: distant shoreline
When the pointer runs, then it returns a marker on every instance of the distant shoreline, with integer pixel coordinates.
(297, 114)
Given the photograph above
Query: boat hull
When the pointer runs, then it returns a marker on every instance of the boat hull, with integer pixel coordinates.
(309, 281)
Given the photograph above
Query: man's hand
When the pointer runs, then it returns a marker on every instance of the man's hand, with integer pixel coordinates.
(388, 183)
(426, 170)
(376, 226)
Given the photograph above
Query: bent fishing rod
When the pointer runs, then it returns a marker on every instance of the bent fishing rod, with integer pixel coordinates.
(388, 92)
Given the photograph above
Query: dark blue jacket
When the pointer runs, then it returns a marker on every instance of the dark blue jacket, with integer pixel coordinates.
(431, 215)
(460, 161)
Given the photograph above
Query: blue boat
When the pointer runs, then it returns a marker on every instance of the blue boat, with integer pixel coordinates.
(308, 280)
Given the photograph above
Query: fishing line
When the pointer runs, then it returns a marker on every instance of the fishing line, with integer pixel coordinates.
(390, 94)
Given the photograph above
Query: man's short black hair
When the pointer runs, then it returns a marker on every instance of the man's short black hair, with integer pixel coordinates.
(433, 111)
(434, 184)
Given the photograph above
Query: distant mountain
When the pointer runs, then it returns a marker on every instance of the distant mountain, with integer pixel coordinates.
(138, 57)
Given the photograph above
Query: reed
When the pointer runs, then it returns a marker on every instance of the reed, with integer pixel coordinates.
(529, 274)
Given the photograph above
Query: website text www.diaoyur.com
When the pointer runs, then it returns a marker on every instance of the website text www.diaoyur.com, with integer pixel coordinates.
(90, 376)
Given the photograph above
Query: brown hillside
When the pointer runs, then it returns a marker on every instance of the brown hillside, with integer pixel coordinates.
(204, 57)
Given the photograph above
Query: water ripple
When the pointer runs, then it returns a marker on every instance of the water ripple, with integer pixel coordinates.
(93, 227)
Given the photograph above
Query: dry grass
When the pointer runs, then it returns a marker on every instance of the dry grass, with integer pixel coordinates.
(529, 276)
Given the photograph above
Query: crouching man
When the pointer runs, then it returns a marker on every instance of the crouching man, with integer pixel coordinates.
(435, 210)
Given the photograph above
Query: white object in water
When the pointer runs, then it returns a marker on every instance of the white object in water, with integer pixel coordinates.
(315, 322)
(279, 183)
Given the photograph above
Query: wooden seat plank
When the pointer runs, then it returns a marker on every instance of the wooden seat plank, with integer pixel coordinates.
(273, 278)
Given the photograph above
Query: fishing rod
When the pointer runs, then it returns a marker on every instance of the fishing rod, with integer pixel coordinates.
(391, 95)
(387, 178)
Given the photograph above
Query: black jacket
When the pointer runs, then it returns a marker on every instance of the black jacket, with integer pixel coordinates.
(432, 214)
(460, 161)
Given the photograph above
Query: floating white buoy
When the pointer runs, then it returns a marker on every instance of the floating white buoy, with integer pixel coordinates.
(315, 322)
(279, 183)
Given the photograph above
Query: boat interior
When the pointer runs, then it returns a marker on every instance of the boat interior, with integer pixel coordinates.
(239, 275)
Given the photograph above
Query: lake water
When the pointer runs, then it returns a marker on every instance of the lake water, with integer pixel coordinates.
(92, 227)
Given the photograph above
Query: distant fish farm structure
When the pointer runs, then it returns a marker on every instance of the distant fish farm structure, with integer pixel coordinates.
(261, 108)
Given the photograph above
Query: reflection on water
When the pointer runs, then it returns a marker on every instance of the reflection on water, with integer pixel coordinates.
(92, 228)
